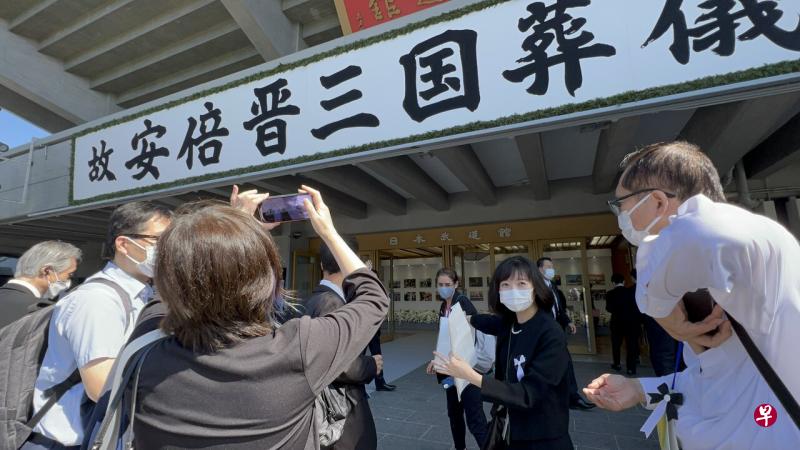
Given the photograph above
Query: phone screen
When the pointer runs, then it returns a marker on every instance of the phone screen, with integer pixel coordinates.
(284, 208)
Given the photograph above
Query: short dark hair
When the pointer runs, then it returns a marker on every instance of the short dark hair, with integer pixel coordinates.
(540, 261)
(131, 218)
(327, 260)
(218, 272)
(523, 266)
(448, 272)
(617, 278)
(678, 167)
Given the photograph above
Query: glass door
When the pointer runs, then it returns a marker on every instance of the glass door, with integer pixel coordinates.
(569, 260)
(473, 264)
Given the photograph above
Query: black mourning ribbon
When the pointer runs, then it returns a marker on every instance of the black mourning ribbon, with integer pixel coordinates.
(675, 400)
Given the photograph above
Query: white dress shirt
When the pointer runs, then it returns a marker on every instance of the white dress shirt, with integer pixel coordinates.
(90, 323)
(749, 264)
(27, 286)
(334, 287)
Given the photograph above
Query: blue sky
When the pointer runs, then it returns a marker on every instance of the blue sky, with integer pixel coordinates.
(16, 131)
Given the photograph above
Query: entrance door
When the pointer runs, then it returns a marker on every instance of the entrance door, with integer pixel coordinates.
(569, 259)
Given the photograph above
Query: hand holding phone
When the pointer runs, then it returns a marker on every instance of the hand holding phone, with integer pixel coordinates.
(284, 208)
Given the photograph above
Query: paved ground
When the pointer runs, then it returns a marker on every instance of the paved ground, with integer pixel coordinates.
(415, 417)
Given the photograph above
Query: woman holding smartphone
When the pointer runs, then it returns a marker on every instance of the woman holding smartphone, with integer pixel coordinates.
(530, 381)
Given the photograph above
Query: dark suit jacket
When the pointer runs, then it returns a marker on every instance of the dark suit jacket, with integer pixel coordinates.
(621, 303)
(562, 318)
(15, 302)
(359, 427)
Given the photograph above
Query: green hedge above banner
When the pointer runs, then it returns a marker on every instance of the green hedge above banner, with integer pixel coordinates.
(770, 70)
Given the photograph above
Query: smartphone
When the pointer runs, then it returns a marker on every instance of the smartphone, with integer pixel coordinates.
(699, 305)
(284, 208)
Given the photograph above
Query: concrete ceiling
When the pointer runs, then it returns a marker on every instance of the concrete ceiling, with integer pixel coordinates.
(107, 55)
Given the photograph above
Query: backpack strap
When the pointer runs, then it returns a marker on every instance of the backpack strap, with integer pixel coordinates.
(119, 379)
(770, 376)
(123, 295)
(54, 393)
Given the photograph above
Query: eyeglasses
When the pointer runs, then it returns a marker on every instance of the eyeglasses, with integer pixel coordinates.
(616, 204)
(143, 236)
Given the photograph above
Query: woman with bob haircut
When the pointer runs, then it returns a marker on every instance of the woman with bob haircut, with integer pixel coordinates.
(530, 380)
(229, 377)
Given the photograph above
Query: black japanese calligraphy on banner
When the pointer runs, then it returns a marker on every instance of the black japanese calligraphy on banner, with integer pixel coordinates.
(442, 62)
(492, 64)
(718, 28)
(548, 24)
(361, 119)
(148, 151)
(271, 131)
(204, 142)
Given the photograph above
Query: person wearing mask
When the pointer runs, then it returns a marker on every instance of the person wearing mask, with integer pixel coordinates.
(359, 426)
(219, 273)
(621, 303)
(470, 405)
(531, 379)
(559, 311)
(43, 272)
(670, 203)
(90, 325)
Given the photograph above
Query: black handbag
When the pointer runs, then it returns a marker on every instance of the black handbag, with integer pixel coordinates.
(499, 437)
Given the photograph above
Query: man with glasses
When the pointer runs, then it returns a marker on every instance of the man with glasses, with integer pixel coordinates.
(671, 204)
(91, 324)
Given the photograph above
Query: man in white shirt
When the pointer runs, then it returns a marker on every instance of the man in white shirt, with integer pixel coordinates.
(91, 324)
(670, 203)
(42, 272)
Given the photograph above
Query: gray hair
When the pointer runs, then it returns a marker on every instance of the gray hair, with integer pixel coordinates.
(55, 254)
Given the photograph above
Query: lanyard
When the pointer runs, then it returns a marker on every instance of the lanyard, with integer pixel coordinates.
(677, 363)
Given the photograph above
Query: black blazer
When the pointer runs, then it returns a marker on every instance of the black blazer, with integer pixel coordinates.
(621, 303)
(538, 404)
(359, 427)
(15, 302)
(563, 318)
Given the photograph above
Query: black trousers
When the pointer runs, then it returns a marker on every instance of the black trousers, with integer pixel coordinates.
(471, 406)
(627, 330)
(662, 347)
(374, 347)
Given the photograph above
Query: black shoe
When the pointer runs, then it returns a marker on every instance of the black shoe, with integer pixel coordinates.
(616, 367)
(390, 386)
(581, 404)
(631, 372)
(386, 388)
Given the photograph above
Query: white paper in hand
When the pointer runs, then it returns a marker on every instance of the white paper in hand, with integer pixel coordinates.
(462, 342)
(443, 340)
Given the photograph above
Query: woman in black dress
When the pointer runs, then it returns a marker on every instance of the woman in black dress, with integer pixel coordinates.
(530, 380)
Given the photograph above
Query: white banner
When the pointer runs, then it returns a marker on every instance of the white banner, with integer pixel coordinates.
(506, 59)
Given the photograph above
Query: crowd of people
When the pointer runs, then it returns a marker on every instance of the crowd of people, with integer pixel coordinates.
(244, 365)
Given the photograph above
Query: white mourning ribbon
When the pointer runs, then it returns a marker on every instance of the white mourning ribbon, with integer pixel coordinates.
(518, 362)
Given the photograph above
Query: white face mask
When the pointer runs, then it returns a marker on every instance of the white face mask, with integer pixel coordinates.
(146, 267)
(517, 299)
(56, 287)
(633, 235)
(549, 273)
